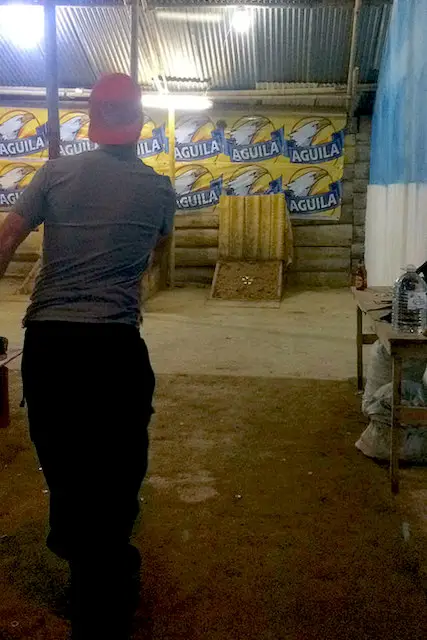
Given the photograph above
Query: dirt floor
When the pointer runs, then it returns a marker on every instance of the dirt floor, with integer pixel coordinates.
(260, 521)
(248, 281)
(312, 335)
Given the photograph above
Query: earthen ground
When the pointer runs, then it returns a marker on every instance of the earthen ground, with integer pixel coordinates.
(249, 280)
(260, 520)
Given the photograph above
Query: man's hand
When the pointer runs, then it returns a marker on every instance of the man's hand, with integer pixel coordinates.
(13, 231)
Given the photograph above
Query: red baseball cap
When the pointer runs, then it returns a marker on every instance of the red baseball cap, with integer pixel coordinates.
(115, 110)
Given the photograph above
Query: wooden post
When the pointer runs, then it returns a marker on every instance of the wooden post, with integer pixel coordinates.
(171, 132)
(53, 130)
(395, 423)
(52, 99)
(134, 40)
(4, 397)
(353, 50)
(359, 339)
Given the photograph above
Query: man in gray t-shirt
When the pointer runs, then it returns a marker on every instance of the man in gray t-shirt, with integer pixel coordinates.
(87, 376)
(103, 213)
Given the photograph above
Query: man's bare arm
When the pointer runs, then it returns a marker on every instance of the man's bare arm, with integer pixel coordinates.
(13, 231)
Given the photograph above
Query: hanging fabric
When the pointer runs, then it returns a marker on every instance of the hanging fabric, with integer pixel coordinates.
(396, 217)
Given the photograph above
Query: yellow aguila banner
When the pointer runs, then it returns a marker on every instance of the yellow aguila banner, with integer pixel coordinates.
(299, 156)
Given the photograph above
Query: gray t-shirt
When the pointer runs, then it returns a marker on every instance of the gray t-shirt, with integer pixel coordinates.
(103, 213)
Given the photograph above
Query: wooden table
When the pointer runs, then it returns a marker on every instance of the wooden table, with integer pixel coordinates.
(371, 303)
(12, 354)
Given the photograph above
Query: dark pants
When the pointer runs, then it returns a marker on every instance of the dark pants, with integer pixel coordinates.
(89, 391)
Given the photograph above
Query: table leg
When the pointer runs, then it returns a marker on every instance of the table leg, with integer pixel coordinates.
(4, 397)
(359, 339)
(395, 424)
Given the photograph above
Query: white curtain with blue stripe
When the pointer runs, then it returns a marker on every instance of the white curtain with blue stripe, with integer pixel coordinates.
(396, 217)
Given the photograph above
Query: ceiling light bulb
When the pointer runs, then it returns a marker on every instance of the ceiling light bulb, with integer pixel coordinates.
(241, 20)
(180, 102)
(22, 25)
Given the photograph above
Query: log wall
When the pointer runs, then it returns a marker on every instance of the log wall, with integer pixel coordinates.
(325, 253)
(361, 179)
(196, 247)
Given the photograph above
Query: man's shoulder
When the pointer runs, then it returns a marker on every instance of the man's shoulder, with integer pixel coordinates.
(145, 168)
(163, 181)
(87, 159)
(67, 162)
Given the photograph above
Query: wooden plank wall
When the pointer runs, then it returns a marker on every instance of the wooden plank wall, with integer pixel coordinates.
(196, 242)
(323, 249)
(322, 255)
(361, 180)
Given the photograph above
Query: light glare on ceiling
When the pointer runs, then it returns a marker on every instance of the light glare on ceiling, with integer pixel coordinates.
(188, 16)
(241, 20)
(22, 25)
(180, 102)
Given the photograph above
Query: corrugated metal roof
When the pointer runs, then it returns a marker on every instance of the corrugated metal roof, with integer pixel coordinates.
(305, 44)
(373, 28)
(284, 44)
(296, 3)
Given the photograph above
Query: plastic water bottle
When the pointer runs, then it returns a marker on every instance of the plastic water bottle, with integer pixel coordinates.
(410, 303)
